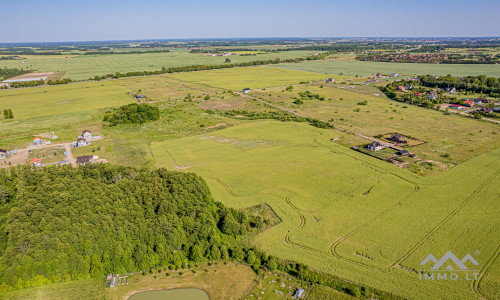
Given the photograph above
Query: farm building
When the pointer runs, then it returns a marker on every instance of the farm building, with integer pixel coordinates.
(3, 154)
(400, 88)
(81, 142)
(298, 293)
(456, 106)
(375, 146)
(398, 139)
(394, 74)
(247, 90)
(331, 80)
(86, 134)
(403, 153)
(418, 94)
(85, 159)
(37, 141)
(36, 162)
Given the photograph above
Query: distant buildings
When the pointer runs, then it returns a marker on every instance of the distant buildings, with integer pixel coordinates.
(331, 80)
(36, 162)
(246, 90)
(37, 141)
(375, 146)
(85, 159)
(433, 95)
(451, 90)
(3, 154)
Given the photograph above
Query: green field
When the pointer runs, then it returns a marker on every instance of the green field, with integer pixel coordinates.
(87, 66)
(250, 77)
(53, 100)
(364, 68)
(345, 213)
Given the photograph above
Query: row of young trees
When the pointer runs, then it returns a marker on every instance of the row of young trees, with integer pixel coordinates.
(64, 223)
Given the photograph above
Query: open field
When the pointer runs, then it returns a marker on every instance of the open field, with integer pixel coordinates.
(448, 139)
(86, 66)
(346, 213)
(52, 100)
(250, 77)
(363, 68)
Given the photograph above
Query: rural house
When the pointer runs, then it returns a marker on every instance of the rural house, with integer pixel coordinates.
(331, 80)
(3, 154)
(85, 159)
(418, 94)
(37, 141)
(451, 90)
(394, 74)
(398, 139)
(400, 88)
(403, 153)
(298, 293)
(247, 90)
(433, 95)
(375, 146)
(81, 142)
(36, 162)
(86, 134)
(468, 103)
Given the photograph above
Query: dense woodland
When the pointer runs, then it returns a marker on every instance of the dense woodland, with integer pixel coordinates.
(8, 73)
(134, 113)
(64, 223)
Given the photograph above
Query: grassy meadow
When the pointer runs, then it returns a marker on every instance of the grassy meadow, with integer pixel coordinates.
(449, 139)
(365, 68)
(345, 213)
(82, 67)
(250, 77)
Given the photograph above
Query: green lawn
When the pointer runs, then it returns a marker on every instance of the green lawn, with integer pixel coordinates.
(363, 68)
(250, 77)
(86, 66)
(346, 213)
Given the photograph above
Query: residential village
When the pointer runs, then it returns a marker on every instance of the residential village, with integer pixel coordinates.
(42, 152)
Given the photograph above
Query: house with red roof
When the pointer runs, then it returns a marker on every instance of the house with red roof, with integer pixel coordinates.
(36, 162)
(468, 103)
(418, 94)
(37, 141)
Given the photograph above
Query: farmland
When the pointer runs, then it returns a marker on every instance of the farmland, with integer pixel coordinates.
(363, 68)
(374, 245)
(87, 66)
(250, 77)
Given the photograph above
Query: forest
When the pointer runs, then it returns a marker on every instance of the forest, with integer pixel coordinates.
(63, 223)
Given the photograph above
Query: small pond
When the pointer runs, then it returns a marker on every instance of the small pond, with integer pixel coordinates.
(175, 294)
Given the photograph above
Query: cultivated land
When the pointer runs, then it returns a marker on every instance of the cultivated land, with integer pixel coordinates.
(250, 77)
(345, 213)
(342, 212)
(87, 66)
(363, 68)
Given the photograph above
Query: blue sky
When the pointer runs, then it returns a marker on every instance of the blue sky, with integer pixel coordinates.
(56, 20)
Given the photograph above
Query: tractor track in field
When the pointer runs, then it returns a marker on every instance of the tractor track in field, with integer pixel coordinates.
(227, 188)
(301, 225)
(336, 243)
(174, 163)
(482, 275)
(445, 220)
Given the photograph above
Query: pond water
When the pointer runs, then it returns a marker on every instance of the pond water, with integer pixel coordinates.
(175, 294)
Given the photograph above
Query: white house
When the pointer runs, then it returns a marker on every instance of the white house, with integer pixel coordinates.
(86, 134)
(81, 142)
(3, 154)
(375, 146)
(37, 141)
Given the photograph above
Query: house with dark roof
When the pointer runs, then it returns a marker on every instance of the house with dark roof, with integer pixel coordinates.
(3, 154)
(81, 142)
(246, 90)
(398, 139)
(298, 293)
(403, 153)
(375, 146)
(86, 134)
(331, 80)
(85, 159)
